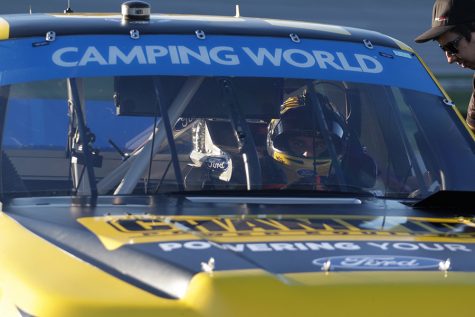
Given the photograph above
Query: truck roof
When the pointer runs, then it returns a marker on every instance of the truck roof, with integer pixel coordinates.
(32, 25)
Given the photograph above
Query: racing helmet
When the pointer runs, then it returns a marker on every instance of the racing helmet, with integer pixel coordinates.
(298, 143)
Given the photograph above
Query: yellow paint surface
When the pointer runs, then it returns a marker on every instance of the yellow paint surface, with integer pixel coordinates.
(4, 29)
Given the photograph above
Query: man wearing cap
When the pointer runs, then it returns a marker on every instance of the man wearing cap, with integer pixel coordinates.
(453, 26)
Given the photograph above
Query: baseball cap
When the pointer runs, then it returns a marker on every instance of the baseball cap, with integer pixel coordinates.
(447, 14)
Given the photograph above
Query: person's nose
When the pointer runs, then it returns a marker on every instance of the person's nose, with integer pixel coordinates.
(451, 58)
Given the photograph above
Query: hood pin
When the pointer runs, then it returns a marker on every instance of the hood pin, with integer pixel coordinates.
(208, 267)
(444, 266)
(326, 266)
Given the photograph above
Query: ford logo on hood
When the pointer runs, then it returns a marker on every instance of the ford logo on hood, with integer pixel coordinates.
(379, 262)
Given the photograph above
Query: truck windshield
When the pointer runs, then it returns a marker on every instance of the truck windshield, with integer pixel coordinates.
(127, 135)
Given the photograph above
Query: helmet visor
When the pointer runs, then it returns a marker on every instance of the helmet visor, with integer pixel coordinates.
(303, 144)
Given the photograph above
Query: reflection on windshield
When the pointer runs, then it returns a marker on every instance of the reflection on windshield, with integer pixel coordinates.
(147, 135)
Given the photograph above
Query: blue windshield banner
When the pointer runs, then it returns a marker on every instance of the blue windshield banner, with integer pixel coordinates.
(32, 59)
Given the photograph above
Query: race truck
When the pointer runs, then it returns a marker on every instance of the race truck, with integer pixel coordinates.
(198, 166)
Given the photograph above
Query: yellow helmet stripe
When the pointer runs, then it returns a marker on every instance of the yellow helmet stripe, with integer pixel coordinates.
(4, 29)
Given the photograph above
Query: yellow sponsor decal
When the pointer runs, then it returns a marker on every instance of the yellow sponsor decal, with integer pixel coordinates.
(4, 29)
(116, 231)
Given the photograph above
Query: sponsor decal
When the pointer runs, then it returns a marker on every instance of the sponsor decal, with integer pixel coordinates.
(183, 123)
(379, 262)
(307, 256)
(116, 231)
(74, 56)
(402, 54)
(216, 164)
(315, 246)
(311, 256)
(220, 55)
(292, 244)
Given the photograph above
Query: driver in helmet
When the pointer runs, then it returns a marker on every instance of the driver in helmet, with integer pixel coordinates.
(309, 150)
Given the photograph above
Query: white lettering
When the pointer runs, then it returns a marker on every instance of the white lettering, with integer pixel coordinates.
(197, 245)
(417, 246)
(262, 54)
(258, 247)
(229, 59)
(135, 53)
(325, 58)
(309, 61)
(58, 57)
(318, 246)
(173, 54)
(155, 51)
(233, 247)
(382, 246)
(359, 261)
(216, 165)
(222, 55)
(92, 55)
(363, 61)
(282, 247)
(170, 246)
(345, 64)
(301, 246)
(433, 247)
(405, 246)
(348, 246)
(185, 53)
(457, 247)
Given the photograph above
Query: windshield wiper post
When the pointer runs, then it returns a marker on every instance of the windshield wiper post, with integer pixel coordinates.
(169, 134)
(73, 98)
(320, 118)
(243, 135)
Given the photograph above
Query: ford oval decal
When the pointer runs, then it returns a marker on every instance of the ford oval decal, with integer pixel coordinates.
(216, 163)
(379, 262)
